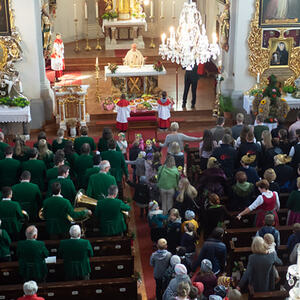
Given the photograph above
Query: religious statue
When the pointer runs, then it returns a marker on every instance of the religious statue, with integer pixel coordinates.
(225, 26)
(134, 58)
(46, 28)
(57, 57)
(297, 92)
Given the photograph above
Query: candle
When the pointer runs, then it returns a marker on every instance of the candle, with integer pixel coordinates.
(163, 38)
(97, 62)
(151, 8)
(97, 10)
(75, 11)
(258, 78)
(85, 11)
(162, 9)
(173, 9)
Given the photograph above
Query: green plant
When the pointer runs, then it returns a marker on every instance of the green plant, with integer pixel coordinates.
(113, 14)
(105, 16)
(113, 68)
(18, 101)
(289, 89)
(225, 104)
(158, 66)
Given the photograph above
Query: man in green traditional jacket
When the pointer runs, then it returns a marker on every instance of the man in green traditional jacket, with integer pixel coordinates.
(59, 160)
(56, 210)
(109, 213)
(91, 171)
(2, 145)
(76, 252)
(28, 195)
(99, 183)
(84, 138)
(10, 214)
(5, 242)
(68, 190)
(117, 164)
(31, 255)
(9, 169)
(82, 163)
(37, 169)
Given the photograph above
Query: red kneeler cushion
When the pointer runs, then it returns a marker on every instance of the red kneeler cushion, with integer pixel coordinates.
(142, 113)
(142, 119)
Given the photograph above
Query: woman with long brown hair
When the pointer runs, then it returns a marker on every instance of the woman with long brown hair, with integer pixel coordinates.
(206, 148)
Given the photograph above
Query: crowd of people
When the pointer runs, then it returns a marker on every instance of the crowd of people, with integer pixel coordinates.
(243, 168)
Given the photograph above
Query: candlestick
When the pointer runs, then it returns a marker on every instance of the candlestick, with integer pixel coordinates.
(151, 9)
(76, 49)
(98, 94)
(85, 11)
(75, 11)
(87, 47)
(97, 10)
(98, 46)
(152, 45)
(173, 9)
(258, 78)
(162, 9)
(215, 38)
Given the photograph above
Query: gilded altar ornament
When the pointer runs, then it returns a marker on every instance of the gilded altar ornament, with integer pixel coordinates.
(123, 8)
(225, 26)
(259, 58)
(108, 5)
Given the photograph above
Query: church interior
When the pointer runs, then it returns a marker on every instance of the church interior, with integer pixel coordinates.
(167, 132)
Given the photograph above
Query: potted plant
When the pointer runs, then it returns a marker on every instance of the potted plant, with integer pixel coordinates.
(289, 89)
(226, 107)
(114, 15)
(105, 16)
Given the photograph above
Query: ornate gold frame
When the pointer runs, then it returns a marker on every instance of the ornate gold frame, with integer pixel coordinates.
(259, 57)
(3, 59)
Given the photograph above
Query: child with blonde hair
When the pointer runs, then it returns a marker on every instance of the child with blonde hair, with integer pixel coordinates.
(122, 143)
(270, 241)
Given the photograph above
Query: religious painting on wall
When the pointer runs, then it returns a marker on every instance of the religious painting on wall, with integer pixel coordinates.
(280, 52)
(4, 18)
(279, 13)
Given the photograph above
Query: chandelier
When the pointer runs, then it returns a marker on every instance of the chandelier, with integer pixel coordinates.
(192, 45)
(293, 278)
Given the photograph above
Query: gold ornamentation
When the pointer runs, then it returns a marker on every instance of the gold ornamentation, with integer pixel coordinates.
(3, 55)
(259, 58)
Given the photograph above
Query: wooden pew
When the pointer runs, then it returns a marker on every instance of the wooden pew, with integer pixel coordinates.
(274, 295)
(106, 289)
(104, 246)
(242, 237)
(101, 267)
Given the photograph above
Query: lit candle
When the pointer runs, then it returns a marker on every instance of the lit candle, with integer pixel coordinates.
(163, 38)
(151, 8)
(258, 78)
(75, 11)
(97, 62)
(97, 10)
(215, 39)
(162, 9)
(146, 2)
(85, 11)
(173, 9)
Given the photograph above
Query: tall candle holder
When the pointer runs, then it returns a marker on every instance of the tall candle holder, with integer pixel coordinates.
(98, 46)
(152, 45)
(98, 96)
(76, 49)
(216, 110)
(87, 47)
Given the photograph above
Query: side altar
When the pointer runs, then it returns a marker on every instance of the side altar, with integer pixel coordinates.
(134, 81)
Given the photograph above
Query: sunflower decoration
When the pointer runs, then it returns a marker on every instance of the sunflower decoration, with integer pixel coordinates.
(264, 107)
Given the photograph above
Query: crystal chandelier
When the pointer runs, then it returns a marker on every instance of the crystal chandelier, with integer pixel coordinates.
(293, 278)
(192, 45)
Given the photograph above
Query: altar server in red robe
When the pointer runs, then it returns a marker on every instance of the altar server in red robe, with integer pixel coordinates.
(164, 108)
(123, 112)
(57, 57)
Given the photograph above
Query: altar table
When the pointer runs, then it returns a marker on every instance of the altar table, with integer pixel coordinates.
(134, 80)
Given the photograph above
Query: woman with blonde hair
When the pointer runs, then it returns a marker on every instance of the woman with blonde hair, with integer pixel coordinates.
(45, 154)
(260, 273)
(270, 176)
(186, 195)
(59, 142)
(178, 155)
(20, 149)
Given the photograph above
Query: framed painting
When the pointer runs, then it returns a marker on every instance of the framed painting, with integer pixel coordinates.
(279, 13)
(280, 52)
(5, 29)
(221, 1)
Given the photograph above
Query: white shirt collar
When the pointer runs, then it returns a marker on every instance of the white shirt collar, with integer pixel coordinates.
(60, 177)
(6, 199)
(59, 195)
(25, 181)
(78, 238)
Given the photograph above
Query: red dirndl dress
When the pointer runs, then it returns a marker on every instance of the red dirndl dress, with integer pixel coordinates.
(268, 207)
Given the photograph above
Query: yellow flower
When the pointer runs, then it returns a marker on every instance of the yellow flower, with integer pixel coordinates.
(282, 99)
(261, 110)
(263, 102)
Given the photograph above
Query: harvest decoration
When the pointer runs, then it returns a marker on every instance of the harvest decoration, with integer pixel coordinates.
(113, 68)
(158, 66)
(17, 102)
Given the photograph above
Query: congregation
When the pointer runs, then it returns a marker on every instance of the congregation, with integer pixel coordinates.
(246, 171)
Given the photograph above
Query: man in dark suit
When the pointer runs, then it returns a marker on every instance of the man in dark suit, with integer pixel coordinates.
(190, 79)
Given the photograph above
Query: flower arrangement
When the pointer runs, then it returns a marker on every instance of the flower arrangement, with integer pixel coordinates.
(256, 93)
(272, 91)
(18, 101)
(158, 66)
(110, 15)
(72, 122)
(113, 68)
(108, 103)
(289, 89)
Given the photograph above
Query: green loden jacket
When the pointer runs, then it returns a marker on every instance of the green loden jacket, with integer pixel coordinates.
(28, 195)
(99, 184)
(82, 140)
(76, 253)
(5, 242)
(109, 214)
(2, 149)
(9, 171)
(82, 163)
(56, 210)
(31, 255)
(117, 163)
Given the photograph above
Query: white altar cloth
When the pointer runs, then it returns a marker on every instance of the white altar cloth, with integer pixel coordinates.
(124, 23)
(10, 114)
(291, 101)
(126, 71)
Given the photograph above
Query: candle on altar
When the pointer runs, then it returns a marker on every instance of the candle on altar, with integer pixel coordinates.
(75, 11)
(162, 9)
(163, 38)
(97, 10)
(97, 62)
(173, 9)
(85, 11)
(151, 9)
(258, 78)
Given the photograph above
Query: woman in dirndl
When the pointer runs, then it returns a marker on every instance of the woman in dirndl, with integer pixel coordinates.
(266, 203)
(293, 204)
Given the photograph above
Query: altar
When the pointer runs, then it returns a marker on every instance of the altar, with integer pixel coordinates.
(134, 81)
(120, 34)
